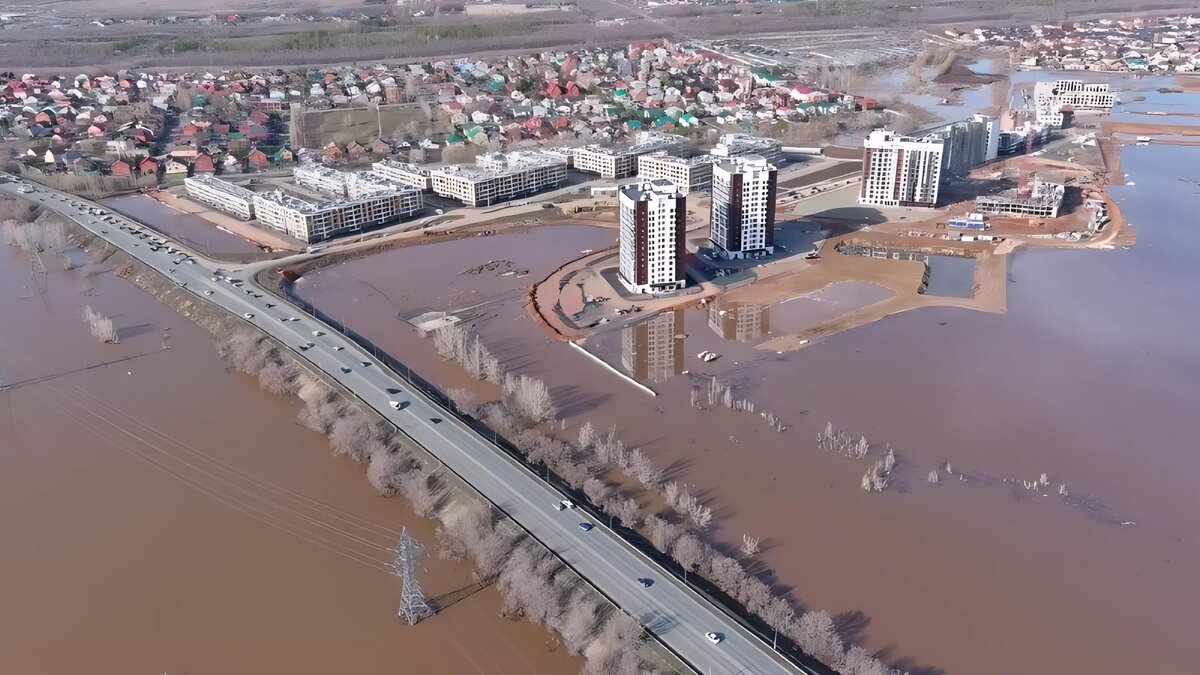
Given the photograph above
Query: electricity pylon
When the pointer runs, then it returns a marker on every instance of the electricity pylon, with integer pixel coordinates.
(413, 605)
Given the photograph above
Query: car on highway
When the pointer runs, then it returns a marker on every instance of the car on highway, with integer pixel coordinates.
(398, 405)
(208, 292)
(345, 370)
(586, 527)
(365, 364)
(567, 504)
(307, 345)
(714, 638)
(248, 315)
(645, 582)
(338, 348)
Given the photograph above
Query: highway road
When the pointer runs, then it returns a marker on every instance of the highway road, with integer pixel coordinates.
(676, 614)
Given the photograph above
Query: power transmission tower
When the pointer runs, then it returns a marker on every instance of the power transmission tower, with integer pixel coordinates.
(413, 605)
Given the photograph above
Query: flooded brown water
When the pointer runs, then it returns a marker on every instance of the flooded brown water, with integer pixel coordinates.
(188, 228)
(1090, 377)
(161, 514)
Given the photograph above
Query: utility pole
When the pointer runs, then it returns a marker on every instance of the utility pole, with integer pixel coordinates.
(413, 605)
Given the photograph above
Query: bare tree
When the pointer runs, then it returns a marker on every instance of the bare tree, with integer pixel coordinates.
(692, 554)
(817, 635)
(424, 492)
(529, 397)
(750, 545)
(386, 472)
(644, 470)
(100, 325)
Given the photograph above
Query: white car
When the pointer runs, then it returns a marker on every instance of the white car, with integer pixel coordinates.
(317, 333)
(338, 348)
(248, 315)
(395, 404)
(208, 292)
(714, 638)
(568, 504)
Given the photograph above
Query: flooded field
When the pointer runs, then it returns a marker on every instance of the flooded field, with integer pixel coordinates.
(1088, 378)
(198, 233)
(161, 514)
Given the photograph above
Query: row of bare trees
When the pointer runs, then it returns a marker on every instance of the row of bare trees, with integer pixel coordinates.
(678, 534)
(526, 396)
(583, 464)
(538, 587)
(534, 584)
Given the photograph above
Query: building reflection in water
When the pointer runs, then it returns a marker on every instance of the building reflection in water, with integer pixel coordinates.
(740, 322)
(652, 350)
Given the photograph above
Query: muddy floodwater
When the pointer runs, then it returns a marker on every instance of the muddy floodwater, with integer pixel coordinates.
(161, 514)
(188, 228)
(1089, 378)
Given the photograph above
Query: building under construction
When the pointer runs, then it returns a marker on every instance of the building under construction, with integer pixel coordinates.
(1043, 200)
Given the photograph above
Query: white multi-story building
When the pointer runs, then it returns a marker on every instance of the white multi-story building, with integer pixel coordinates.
(499, 177)
(900, 170)
(404, 173)
(317, 221)
(743, 207)
(1050, 99)
(689, 174)
(653, 218)
(736, 145)
(623, 161)
(221, 194)
(321, 178)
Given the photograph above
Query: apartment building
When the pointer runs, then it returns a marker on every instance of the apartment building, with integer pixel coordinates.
(223, 195)
(622, 162)
(737, 145)
(318, 221)
(968, 143)
(404, 173)
(653, 215)
(321, 178)
(1052, 99)
(743, 207)
(900, 170)
(690, 175)
(652, 350)
(499, 177)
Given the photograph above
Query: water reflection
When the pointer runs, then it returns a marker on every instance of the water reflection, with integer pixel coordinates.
(739, 322)
(652, 350)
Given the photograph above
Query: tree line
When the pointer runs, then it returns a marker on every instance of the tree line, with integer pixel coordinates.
(679, 532)
(534, 584)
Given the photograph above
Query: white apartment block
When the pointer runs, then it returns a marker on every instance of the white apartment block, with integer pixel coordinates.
(1050, 99)
(623, 161)
(317, 221)
(690, 175)
(900, 170)
(221, 194)
(653, 217)
(743, 207)
(499, 177)
(737, 145)
(404, 173)
(321, 178)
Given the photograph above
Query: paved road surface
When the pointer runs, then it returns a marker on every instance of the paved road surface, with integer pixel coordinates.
(676, 614)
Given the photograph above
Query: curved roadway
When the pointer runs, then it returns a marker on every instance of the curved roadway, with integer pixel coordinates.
(673, 612)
